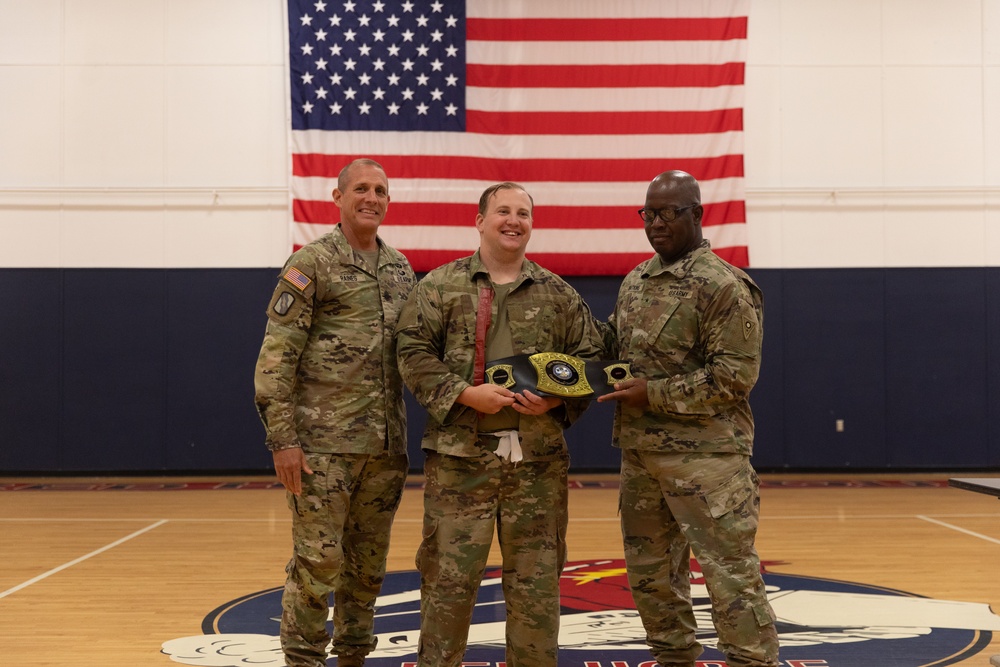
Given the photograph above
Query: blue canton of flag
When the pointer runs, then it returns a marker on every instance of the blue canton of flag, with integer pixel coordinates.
(377, 65)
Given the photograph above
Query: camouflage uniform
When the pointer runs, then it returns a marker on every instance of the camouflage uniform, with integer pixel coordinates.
(693, 329)
(327, 381)
(469, 489)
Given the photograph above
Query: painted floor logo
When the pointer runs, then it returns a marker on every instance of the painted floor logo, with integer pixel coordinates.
(821, 623)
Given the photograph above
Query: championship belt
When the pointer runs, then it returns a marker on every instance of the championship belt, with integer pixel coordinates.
(556, 374)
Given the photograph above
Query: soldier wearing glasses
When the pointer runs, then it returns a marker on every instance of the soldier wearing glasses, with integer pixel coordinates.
(690, 325)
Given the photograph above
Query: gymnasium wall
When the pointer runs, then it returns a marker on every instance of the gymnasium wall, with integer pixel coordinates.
(143, 215)
(151, 370)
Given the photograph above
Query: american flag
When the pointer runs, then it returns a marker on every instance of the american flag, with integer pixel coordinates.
(581, 101)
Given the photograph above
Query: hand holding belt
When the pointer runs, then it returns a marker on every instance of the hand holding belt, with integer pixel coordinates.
(557, 374)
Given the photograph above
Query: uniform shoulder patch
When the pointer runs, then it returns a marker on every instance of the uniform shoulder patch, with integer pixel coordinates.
(284, 303)
(297, 279)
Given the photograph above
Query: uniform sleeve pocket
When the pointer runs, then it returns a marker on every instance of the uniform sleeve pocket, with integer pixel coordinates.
(286, 305)
(743, 331)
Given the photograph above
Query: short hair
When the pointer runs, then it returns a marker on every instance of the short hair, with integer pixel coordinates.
(484, 200)
(360, 162)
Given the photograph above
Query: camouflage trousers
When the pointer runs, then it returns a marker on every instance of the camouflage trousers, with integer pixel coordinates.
(340, 536)
(675, 504)
(464, 499)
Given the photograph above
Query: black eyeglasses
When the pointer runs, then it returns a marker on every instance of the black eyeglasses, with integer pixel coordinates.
(649, 215)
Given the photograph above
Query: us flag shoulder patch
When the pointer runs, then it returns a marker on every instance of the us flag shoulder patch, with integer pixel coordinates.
(297, 278)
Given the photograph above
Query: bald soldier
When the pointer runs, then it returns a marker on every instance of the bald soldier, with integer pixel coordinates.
(329, 393)
(690, 326)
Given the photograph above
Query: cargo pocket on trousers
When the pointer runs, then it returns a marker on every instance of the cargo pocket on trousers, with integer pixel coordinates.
(427, 551)
(764, 614)
(731, 494)
(562, 552)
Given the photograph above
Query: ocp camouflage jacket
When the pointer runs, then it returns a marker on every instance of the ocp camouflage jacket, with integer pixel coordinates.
(326, 378)
(694, 330)
(437, 343)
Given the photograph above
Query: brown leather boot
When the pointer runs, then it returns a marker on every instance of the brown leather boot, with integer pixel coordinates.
(350, 660)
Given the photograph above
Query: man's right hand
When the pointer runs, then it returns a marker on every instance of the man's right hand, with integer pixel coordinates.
(632, 392)
(289, 464)
(488, 399)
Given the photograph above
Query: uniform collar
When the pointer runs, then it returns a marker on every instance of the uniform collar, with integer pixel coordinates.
(478, 271)
(347, 253)
(679, 267)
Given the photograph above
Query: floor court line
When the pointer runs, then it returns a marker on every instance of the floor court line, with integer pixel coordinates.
(75, 561)
(100, 519)
(961, 530)
(615, 519)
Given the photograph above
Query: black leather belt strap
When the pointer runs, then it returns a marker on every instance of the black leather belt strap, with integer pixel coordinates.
(557, 374)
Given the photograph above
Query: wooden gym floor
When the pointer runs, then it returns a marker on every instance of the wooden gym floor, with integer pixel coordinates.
(101, 578)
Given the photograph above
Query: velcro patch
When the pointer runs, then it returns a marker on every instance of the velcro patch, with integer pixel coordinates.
(283, 303)
(297, 278)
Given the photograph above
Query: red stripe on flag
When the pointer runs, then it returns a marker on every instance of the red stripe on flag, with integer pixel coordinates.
(500, 169)
(545, 217)
(587, 264)
(583, 264)
(605, 122)
(604, 76)
(580, 264)
(735, 255)
(606, 30)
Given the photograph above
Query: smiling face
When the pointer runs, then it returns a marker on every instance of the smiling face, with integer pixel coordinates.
(363, 198)
(505, 226)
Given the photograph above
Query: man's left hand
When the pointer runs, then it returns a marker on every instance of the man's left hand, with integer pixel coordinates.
(528, 403)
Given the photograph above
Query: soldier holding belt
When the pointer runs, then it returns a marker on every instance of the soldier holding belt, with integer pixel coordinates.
(494, 458)
(329, 393)
(690, 325)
